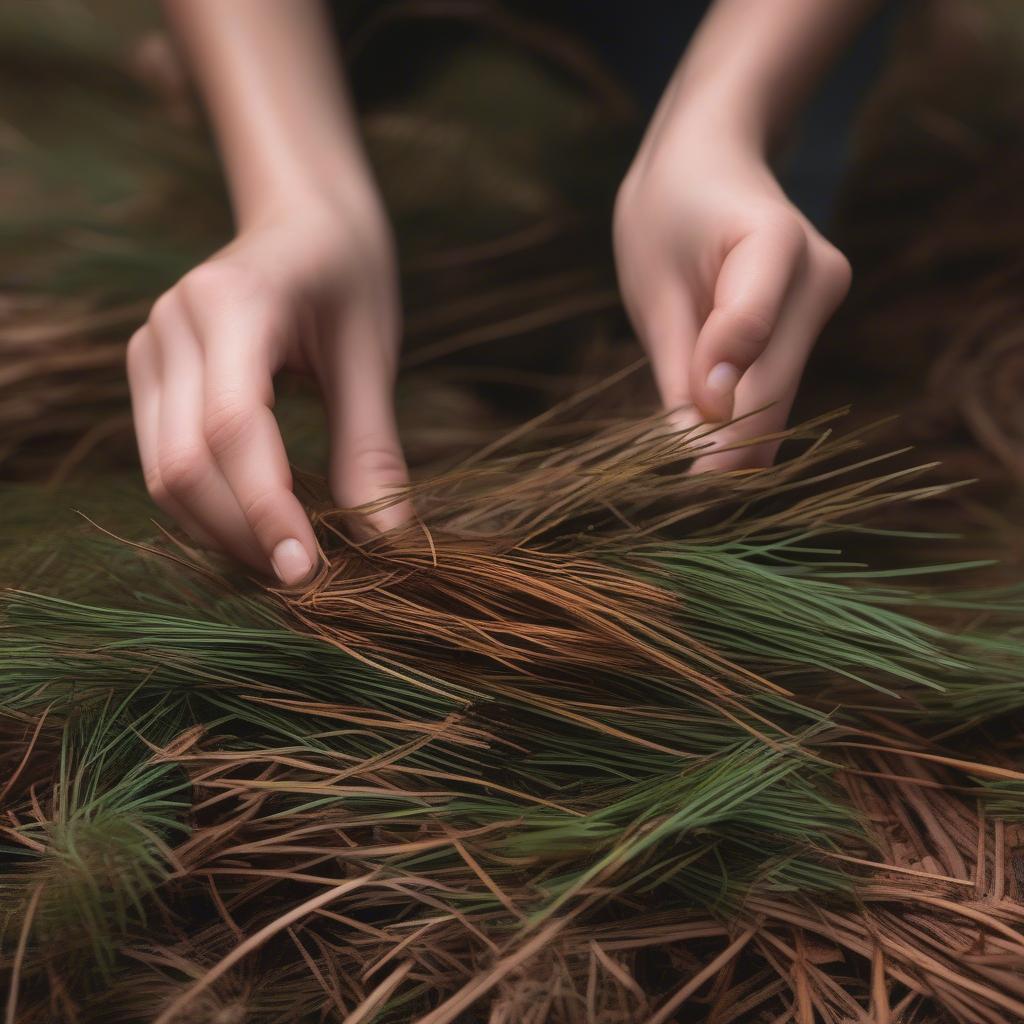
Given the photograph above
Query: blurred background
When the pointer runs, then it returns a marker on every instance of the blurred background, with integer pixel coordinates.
(499, 137)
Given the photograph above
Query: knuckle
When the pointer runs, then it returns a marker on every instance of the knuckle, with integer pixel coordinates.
(183, 471)
(788, 231)
(262, 510)
(781, 232)
(226, 421)
(214, 281)
(748, 328)
(165, 310)
(379, 460)
(135, 350)
(835, 270)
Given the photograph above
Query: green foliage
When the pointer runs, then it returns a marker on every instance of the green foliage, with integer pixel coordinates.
(101, 845)
(322, 751)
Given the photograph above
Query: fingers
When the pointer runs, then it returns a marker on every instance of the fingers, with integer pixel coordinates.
(763, 398)
(242, 335)
(756, 277)
(366, 461)
(187, 467)
(766, 392)
(201, 374)
(144, 383)
(201, 382)
(667, 329)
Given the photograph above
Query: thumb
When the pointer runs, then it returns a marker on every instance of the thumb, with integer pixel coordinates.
(753, 284)
(366, 460)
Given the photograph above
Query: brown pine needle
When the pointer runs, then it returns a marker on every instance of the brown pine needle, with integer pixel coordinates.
(253, 942)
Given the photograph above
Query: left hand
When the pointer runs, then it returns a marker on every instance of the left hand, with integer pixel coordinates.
(726, 282)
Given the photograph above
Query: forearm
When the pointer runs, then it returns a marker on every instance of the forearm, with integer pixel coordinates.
(753, 63)
(271, 82)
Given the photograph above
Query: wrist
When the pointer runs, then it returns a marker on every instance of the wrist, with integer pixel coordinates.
(751, 66)
(699, 140)
(726, 111)
(332, 186)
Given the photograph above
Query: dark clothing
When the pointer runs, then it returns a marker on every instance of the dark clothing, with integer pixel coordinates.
(641, 42)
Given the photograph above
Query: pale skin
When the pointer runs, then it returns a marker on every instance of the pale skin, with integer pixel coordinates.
(727, 284)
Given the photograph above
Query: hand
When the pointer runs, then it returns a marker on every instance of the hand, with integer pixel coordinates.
(725, 281)
(310, 288)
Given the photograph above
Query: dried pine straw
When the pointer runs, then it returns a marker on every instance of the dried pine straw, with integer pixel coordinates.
(591, 740)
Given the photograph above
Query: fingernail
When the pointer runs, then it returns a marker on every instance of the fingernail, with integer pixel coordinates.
(723, 378)
(290, 562)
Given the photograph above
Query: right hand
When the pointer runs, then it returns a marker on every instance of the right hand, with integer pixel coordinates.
(312, 287)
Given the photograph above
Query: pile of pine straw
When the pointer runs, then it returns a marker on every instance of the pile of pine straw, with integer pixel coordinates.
(593, 739)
